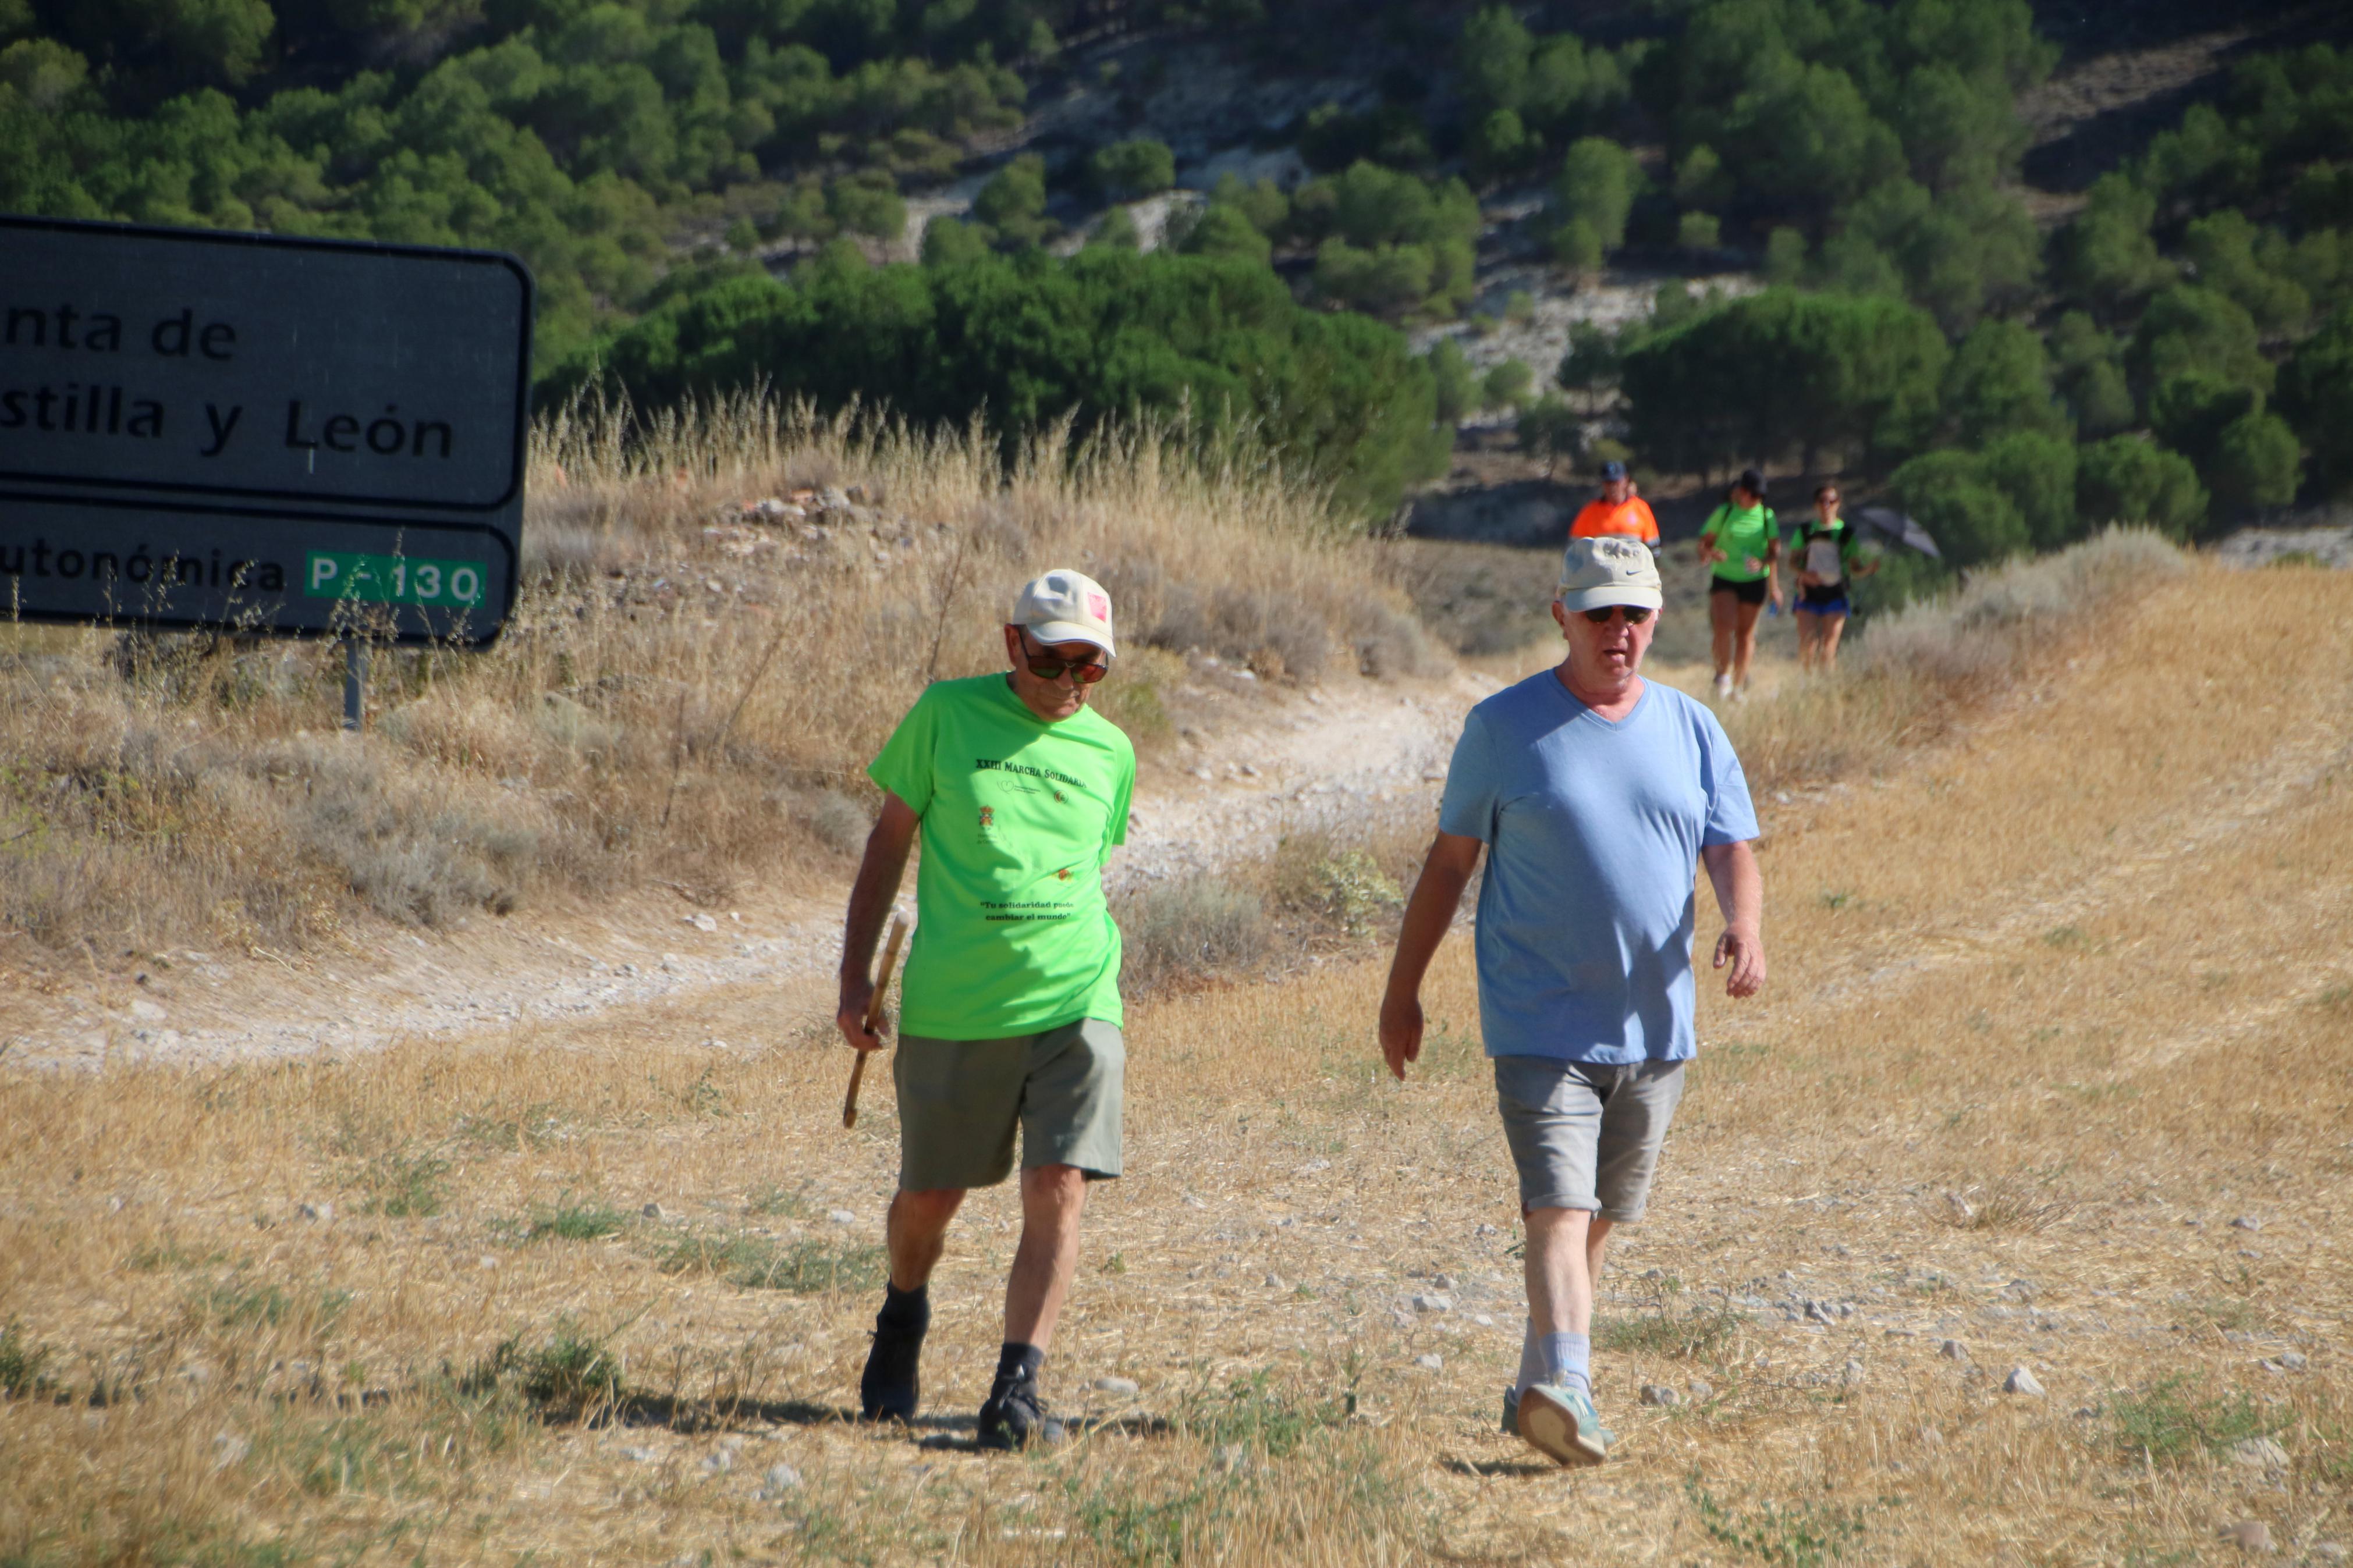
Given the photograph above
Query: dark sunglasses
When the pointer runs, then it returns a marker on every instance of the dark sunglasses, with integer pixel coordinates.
(1635, 613)
(1046, 666)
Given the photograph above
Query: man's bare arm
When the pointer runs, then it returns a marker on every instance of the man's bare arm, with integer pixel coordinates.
(1740, 895)
(1437, 893)
(870, 898)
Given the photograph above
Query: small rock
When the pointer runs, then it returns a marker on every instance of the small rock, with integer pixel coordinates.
(1442, 1282)
(228, 1447)
(2022, 1381)
(487, 1261)
(1232, 1456)
(1959, 1208)
(842, 1217)
(1431, 1363)
(2020, 1290)
(1430, 1303)
(1273, 1281)
(321, 1213)
(2292, 1361)
(2244, 1222)
(720, 1463)
(1659, 1393)
(1701, 1390)
(642, 1456)
(699, 923)
(1852, 1373)
(2328, 1551)
(1483, 1319)
(778, 1479)
(1819, 1312)
(653, 1211)
(2259, 1452)
(146, 1011)
(2249, 1535)
(1123, 1387)
(1953, 1350)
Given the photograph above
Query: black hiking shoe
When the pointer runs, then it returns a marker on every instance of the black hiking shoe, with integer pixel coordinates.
(888, 1389)
(1015, 1417)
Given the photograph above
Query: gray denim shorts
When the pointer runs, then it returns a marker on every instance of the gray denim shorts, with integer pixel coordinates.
(1586, 1135)
(961, 1101)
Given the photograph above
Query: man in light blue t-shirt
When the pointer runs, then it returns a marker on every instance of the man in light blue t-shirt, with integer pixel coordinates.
(1597, 797)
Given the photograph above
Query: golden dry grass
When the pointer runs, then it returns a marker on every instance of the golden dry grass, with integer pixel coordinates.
(2079, 964)
(683, 695)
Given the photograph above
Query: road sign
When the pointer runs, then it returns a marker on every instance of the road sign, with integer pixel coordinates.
(260, 434)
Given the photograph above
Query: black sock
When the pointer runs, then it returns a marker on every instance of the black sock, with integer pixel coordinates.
(909, 1311)
(1018, 1363)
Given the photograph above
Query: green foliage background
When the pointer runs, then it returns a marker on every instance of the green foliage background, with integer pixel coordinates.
(2180, 351)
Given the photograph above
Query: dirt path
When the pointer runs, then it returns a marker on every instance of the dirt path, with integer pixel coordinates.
(1225, 792)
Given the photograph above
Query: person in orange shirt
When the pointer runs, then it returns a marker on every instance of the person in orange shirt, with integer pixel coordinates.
(1617, 510)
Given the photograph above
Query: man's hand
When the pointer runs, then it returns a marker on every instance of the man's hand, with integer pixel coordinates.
(1744, 951)
(1401, 1032)
(857, 996)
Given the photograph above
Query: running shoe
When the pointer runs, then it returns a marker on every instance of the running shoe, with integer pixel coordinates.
(889, 1388)
(1724, 684)
(1561, 1424)
(1511, 1411)
(1014, 1416)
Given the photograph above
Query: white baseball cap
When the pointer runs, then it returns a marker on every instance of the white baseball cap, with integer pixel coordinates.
(1608, 569)
(1070, 606)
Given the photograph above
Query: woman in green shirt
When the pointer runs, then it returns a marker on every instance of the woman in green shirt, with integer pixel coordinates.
(1741, 542)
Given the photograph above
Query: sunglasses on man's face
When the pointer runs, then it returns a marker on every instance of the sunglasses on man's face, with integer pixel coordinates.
(1046, 665)
(1635, 613)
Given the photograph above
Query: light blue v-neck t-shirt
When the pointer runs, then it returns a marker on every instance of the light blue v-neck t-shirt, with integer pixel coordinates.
(1593, 832)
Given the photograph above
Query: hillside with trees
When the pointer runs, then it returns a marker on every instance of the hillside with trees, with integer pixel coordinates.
(944, 207)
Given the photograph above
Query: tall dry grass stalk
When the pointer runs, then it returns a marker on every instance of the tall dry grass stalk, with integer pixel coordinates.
(685, 693)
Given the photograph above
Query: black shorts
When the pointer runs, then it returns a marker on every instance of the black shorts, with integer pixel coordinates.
(1746, 593)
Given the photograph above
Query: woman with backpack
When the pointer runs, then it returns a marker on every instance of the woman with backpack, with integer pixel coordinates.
(1829, 556)
(1742, 543)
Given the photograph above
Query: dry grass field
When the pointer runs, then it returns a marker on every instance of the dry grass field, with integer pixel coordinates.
(2054, 1071)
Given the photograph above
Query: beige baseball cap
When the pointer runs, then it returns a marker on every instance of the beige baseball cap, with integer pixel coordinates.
(1608, 569)
(1069, 606)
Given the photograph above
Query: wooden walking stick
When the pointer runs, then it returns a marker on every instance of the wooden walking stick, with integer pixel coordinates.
(874, 1016)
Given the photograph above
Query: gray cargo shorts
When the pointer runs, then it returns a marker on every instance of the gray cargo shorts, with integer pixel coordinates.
(961, 1101)
(1586, 1135)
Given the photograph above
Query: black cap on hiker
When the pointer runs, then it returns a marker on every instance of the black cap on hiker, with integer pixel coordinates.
(1613, 472)
(1753, 482)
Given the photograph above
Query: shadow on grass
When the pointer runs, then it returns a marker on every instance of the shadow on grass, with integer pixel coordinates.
(1521, 1469)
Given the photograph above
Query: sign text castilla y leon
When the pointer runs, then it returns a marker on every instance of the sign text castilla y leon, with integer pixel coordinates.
(259, 434)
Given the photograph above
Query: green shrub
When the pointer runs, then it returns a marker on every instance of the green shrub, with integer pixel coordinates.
(2037, 472)
(1507, 384)
(2127, 479)
(2255, 463)
(1450, 384)
(1127, 171)
(1999, 381)
(2315, 395)
(1954, 496)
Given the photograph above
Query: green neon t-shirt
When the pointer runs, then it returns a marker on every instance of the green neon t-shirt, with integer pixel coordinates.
(1012, 935)
(1742, 533)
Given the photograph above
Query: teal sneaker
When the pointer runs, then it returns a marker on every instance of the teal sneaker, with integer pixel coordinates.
(1561, 1424)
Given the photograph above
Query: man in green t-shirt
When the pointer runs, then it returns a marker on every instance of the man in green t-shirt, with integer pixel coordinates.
(1010, 1013)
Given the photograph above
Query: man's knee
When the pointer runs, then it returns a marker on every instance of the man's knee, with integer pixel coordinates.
(1059, 1185)
(929, 1209)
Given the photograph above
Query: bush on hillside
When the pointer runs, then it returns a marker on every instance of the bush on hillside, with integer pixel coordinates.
(2254, 463)
(1783, 372)
(1999, 381)
(2037, 471)
(2315, 395)
(1030, 339)
(2125, 479)
(1954, 496)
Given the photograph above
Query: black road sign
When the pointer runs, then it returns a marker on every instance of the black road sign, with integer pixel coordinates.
(259, 434)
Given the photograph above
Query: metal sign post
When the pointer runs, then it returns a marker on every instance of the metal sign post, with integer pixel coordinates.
(261, 434)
